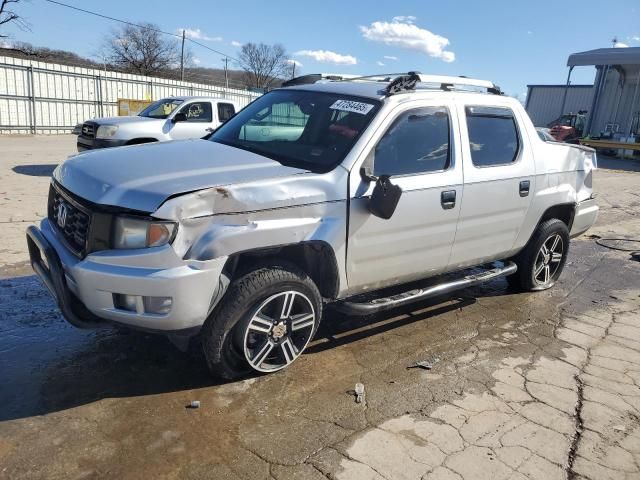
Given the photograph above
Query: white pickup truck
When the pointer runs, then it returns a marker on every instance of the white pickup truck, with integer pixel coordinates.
(312, 194)
(173, 118)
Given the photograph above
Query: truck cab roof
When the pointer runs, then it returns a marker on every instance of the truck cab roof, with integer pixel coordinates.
(189, 98)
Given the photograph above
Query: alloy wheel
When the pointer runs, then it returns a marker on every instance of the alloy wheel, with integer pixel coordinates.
(279, 331)
(548, 260)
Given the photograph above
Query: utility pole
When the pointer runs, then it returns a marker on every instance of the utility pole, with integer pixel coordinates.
(293, 69)
(226, 73)
(182, 58)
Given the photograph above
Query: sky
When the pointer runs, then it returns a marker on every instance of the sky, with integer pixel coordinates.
(513, 43)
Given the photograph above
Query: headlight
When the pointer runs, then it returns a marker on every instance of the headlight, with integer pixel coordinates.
(106, 131)
(131, 232)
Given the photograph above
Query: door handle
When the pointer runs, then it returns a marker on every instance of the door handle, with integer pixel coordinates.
(448, 199)
(525, 185)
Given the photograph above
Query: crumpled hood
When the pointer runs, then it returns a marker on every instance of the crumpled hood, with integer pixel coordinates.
(142, 177)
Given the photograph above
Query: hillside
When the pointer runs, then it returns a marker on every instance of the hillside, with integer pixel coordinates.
(212, 76)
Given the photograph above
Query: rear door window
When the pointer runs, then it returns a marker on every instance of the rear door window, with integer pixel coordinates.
(493, 136)
(225, 111)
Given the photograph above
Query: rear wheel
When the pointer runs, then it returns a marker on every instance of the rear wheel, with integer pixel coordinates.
(263, 323)
(541, 262)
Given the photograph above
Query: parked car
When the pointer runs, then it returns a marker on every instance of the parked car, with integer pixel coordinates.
(545, 134)
(317, 78)
(568, 127)
(174, 118)
(312, 194)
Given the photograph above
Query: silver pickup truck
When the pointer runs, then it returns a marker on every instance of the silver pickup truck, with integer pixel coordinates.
(174, 118)
(312, 194)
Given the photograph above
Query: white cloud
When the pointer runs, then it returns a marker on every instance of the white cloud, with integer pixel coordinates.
(291, 61)
(635, 38)
(196, 61)
(390, 57)
(326, 56)
(529, 32)
(379, 63)
(620, 45)
(197, 34)
(235, 44)
(405, 19)
(405, 34)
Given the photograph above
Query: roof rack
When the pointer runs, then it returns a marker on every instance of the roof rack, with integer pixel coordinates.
(402, 82)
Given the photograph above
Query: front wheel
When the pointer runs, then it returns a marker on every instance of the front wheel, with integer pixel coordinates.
(263, 323)
(541, 262)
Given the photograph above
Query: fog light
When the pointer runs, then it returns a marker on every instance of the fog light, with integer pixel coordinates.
(158, 305)
(125, 302)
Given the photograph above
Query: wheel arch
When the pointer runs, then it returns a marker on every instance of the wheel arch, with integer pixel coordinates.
(315, 257)
(564, 212)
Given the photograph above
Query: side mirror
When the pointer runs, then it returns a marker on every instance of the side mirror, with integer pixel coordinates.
(179, 117)
(384, 198)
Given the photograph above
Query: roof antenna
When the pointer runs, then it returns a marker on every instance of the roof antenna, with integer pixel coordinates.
(614, 41)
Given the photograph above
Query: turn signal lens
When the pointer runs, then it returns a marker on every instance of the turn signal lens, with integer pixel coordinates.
(131, 232)
(159, 234)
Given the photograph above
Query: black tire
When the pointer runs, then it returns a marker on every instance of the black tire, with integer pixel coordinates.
(225, 333)
(528, 277)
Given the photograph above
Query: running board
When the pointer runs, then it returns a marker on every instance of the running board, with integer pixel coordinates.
(385, 303)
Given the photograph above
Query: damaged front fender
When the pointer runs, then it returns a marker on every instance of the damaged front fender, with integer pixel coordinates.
(226, 220)
(224, 239)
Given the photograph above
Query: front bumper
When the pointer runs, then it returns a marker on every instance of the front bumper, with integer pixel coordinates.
(84, 288)
(89, 143)
(585, 216)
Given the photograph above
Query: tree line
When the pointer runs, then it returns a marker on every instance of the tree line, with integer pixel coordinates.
(144, 49)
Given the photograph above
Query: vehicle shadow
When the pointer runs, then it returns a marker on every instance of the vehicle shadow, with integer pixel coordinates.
(37, 170)
(336, 329)
(50, 366)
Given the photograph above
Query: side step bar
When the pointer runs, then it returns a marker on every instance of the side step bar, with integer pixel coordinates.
(386, 303)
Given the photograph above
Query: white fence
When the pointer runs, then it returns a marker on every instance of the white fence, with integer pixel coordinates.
(38, 97)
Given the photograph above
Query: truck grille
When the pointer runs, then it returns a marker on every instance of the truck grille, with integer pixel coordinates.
(88, 130)
(70, 219)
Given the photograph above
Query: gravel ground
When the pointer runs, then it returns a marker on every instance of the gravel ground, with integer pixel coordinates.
(523, 386)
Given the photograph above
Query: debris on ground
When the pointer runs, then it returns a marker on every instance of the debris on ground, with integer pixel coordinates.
(359, 391)
(194, 404)
(424, 364)
(619, 428)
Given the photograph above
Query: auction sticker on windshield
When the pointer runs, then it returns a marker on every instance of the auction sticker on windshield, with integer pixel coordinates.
(351, 106)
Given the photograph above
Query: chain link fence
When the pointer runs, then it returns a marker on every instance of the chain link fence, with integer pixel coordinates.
(49, 98)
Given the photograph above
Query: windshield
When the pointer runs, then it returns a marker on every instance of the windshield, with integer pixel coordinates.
(161, 108)
(311, 130)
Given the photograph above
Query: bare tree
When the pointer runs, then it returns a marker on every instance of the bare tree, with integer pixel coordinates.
(8, 15)
(142, 49)
(264, 65)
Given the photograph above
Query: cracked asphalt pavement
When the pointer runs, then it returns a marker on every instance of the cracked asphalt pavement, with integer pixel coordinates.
(522, 386)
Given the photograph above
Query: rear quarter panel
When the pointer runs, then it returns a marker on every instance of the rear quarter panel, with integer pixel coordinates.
(563, 177)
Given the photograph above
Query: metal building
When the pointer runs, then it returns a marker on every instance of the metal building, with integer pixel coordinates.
(615, 106)
(544, 102)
